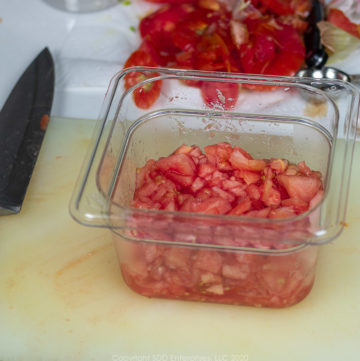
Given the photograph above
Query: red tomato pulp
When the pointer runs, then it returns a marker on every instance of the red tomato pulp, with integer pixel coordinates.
(222, 180)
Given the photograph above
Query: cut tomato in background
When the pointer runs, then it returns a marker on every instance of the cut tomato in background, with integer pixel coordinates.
(146, 94)
(160, 24)
(273, 49)
(263, 38)
(338, 18)
(287, 7)
(171, 1)
(220, 95)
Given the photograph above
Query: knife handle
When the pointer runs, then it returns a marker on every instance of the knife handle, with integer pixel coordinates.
(316, 56)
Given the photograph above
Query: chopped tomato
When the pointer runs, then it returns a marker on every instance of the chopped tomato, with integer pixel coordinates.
(301, 187)
(218, 182)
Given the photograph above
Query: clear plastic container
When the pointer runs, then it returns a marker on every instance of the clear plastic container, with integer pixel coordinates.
(219, 258)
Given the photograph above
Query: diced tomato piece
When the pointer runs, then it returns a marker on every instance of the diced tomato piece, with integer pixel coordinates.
(217, 178)
(282, 212)
(261, 213)
(197, 185)
(169, 204)
(301, 187)
(316, 199)
(239, 161)
(206, 169)
(178, 167)
(242, 207)
(213, 205)
(297, 204)
(210, 261)
(148, 204)
(304, 169)
(270, 196)
(223, 194)
(178, 258)
(248, 176)
(292, 170)
(236, 271)
(279, 165)
(142, 174)
(219, 154)
(145, 192)
(231, 183)
(253, 191)
(183, 149)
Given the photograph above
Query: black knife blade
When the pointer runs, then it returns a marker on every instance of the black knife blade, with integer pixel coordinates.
(23, 122)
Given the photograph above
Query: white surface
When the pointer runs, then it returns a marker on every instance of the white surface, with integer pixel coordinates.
(88, 49)
(62, 297)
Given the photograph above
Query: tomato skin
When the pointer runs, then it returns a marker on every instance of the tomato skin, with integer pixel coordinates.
(339, 19)
(145, 95)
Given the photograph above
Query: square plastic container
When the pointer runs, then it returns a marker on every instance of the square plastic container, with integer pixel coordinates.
(219, 258)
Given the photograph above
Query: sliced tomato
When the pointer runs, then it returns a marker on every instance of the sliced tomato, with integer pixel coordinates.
(144, 95)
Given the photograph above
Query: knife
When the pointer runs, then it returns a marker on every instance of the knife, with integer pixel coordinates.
(23, 122)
